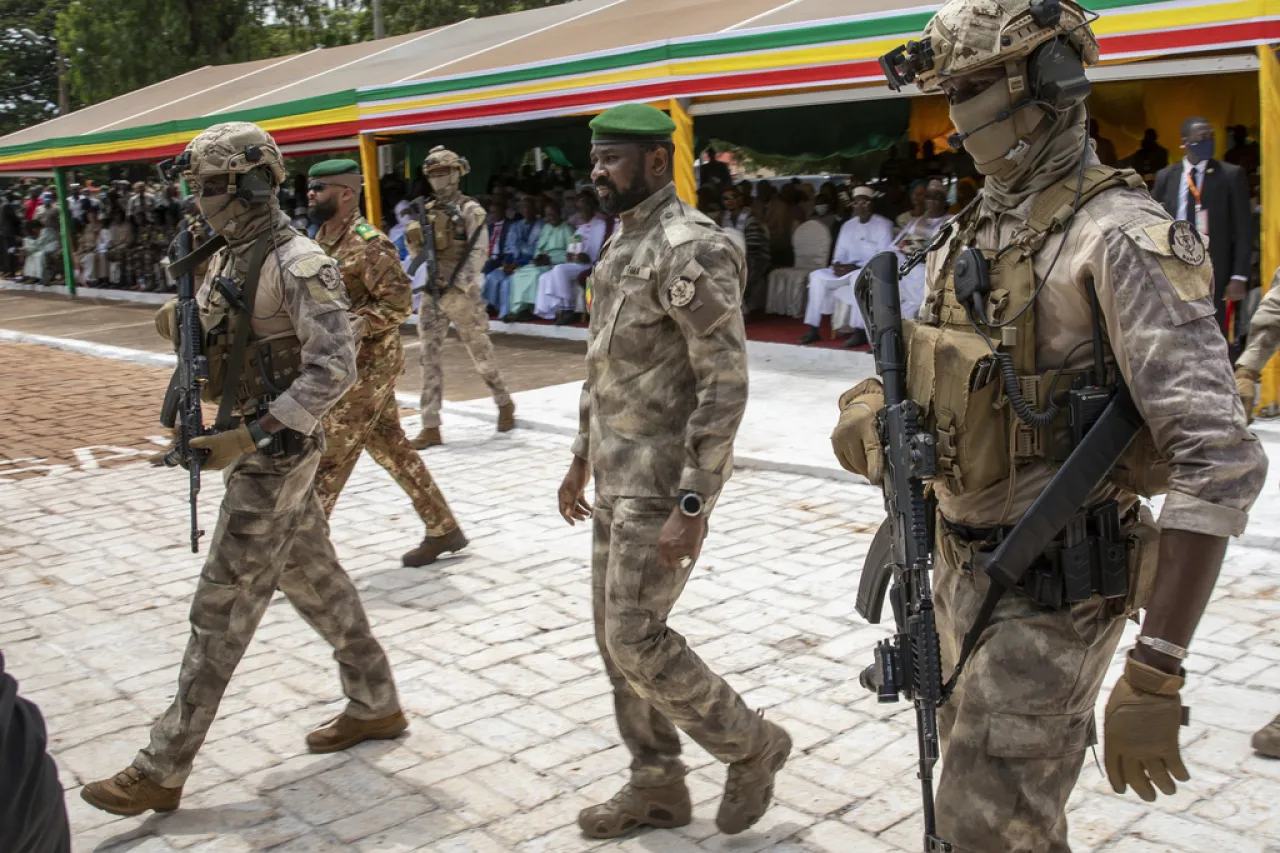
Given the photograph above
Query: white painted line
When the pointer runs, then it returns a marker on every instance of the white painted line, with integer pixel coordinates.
(762, 15)
(509, 41)
(244, 76)
(137, 356)
(118, 327)
(291, 84)
(59, 313)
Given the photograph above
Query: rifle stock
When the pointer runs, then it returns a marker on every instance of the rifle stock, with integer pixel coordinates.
(911, 663)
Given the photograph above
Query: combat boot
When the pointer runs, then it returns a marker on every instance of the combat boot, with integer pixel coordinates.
(1266, 740)
(433, 546)
(129, 793)
(429, 437)
(343, 732)
(748, 786)
(507, 417)
(665, 806)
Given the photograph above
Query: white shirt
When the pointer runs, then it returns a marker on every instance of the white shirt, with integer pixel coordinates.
(858, 243)
(1186, 201)
(592, 235)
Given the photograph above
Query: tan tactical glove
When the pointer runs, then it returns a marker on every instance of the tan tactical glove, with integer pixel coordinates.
(413, 237)
(854, 439)
(167, 319)
(1140, 737)
(1247, 388)
(225, 447)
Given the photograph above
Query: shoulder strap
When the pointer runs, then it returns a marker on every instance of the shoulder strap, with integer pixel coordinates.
(1056, 204)
(244, 320)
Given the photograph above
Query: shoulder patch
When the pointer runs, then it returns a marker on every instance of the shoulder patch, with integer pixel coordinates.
(684, 226)
(309, 265)
(366, 231)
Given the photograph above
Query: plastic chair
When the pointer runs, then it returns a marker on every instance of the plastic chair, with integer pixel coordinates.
(789, 287)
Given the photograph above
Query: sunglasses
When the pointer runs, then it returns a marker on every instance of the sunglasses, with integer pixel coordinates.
(317, 186)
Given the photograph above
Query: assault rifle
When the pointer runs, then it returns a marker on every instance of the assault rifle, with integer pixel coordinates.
(911, 663)
(427, 255)
(181, 408)
(902, 550)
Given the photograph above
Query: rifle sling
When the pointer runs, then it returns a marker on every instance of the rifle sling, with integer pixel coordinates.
(466, 253)
(244, 321)
(188, 263)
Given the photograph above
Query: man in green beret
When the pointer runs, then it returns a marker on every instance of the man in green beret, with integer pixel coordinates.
(666, 389)
(367, 417)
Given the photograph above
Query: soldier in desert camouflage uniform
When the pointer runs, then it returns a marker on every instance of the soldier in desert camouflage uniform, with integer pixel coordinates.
(666, 389)
(367, 416)
(272, 531)
(1016, 731)
(462, 245)
(1264, 340)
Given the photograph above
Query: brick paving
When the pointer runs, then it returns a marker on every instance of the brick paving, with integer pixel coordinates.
(511, 722)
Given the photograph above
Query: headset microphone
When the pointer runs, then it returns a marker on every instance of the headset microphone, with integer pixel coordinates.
(957, 139)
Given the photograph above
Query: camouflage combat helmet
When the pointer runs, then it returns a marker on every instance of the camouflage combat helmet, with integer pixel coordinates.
(966, 36)
(442, 158)
(232, 148)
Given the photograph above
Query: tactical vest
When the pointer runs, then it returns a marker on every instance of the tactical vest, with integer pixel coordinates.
(450, 229)
(273, 355)
(958, 383)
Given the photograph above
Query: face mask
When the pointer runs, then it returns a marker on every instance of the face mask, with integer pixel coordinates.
(442, 183)
(220, 211)
(1202, 150)
(821, 209)
(995, 146)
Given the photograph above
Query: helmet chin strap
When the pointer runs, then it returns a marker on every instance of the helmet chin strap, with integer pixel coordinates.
(955, 140)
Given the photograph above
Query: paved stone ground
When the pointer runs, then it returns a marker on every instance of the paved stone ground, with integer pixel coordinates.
(512, 729)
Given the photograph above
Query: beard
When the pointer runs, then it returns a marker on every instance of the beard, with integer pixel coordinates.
(617, 201)
(322, 211)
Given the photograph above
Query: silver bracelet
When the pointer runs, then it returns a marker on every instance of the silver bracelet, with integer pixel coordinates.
(1164, 647)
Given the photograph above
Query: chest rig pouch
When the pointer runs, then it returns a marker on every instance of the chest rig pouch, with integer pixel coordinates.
(983, 432)
(244, 370)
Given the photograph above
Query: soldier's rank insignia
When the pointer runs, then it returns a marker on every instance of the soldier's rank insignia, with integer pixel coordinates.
(330, 277)
(680, 292)
(1185, 243)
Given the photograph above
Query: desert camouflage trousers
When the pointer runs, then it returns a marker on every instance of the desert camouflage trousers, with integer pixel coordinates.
(271, 533)
(367, 418)
(466, 310)
(1016, 731)
(658, 681)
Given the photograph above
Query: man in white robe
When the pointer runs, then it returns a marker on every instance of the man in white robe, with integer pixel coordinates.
(864, 236)
(558, 289)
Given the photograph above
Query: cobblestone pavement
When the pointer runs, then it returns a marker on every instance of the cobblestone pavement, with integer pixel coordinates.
(511, 723)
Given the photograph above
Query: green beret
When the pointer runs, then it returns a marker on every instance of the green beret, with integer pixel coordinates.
(632, 123)
(326, 168)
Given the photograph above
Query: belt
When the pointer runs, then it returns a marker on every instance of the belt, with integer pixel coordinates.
(1088, 557)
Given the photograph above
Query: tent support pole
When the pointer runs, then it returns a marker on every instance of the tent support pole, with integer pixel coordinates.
(64, 223)
(369, 169)
(1269, 143)
(686, 185)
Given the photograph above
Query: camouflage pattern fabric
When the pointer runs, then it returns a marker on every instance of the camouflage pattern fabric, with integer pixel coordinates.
(659, 683)
(1016, 732)
(1264, 330)
(666, 355)
(271, 533)
(464, 306)
(367, 417)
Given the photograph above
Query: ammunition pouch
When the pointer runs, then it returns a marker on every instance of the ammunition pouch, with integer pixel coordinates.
(958, 382)
(1101, 552)
(269, 367)
(442, 228)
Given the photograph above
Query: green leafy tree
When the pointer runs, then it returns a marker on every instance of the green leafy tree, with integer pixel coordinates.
(28, 62)
(406, 16)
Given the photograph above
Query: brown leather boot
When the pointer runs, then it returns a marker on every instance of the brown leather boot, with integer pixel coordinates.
(507, 417)
(429, 437)
(1266, 740)
(433, 546)
(665, 807)
(748, 786)
(343, 732)
(129, 793)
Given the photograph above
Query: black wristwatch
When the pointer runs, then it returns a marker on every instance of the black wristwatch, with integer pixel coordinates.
(691, 504)
(261, 438)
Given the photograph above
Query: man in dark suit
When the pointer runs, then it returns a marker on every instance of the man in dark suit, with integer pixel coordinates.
(1214, 197)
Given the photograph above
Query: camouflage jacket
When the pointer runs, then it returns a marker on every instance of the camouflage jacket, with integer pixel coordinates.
(666, 355)
(1160, 329)
(1264, 330)
(300, 293)
(377, 286)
